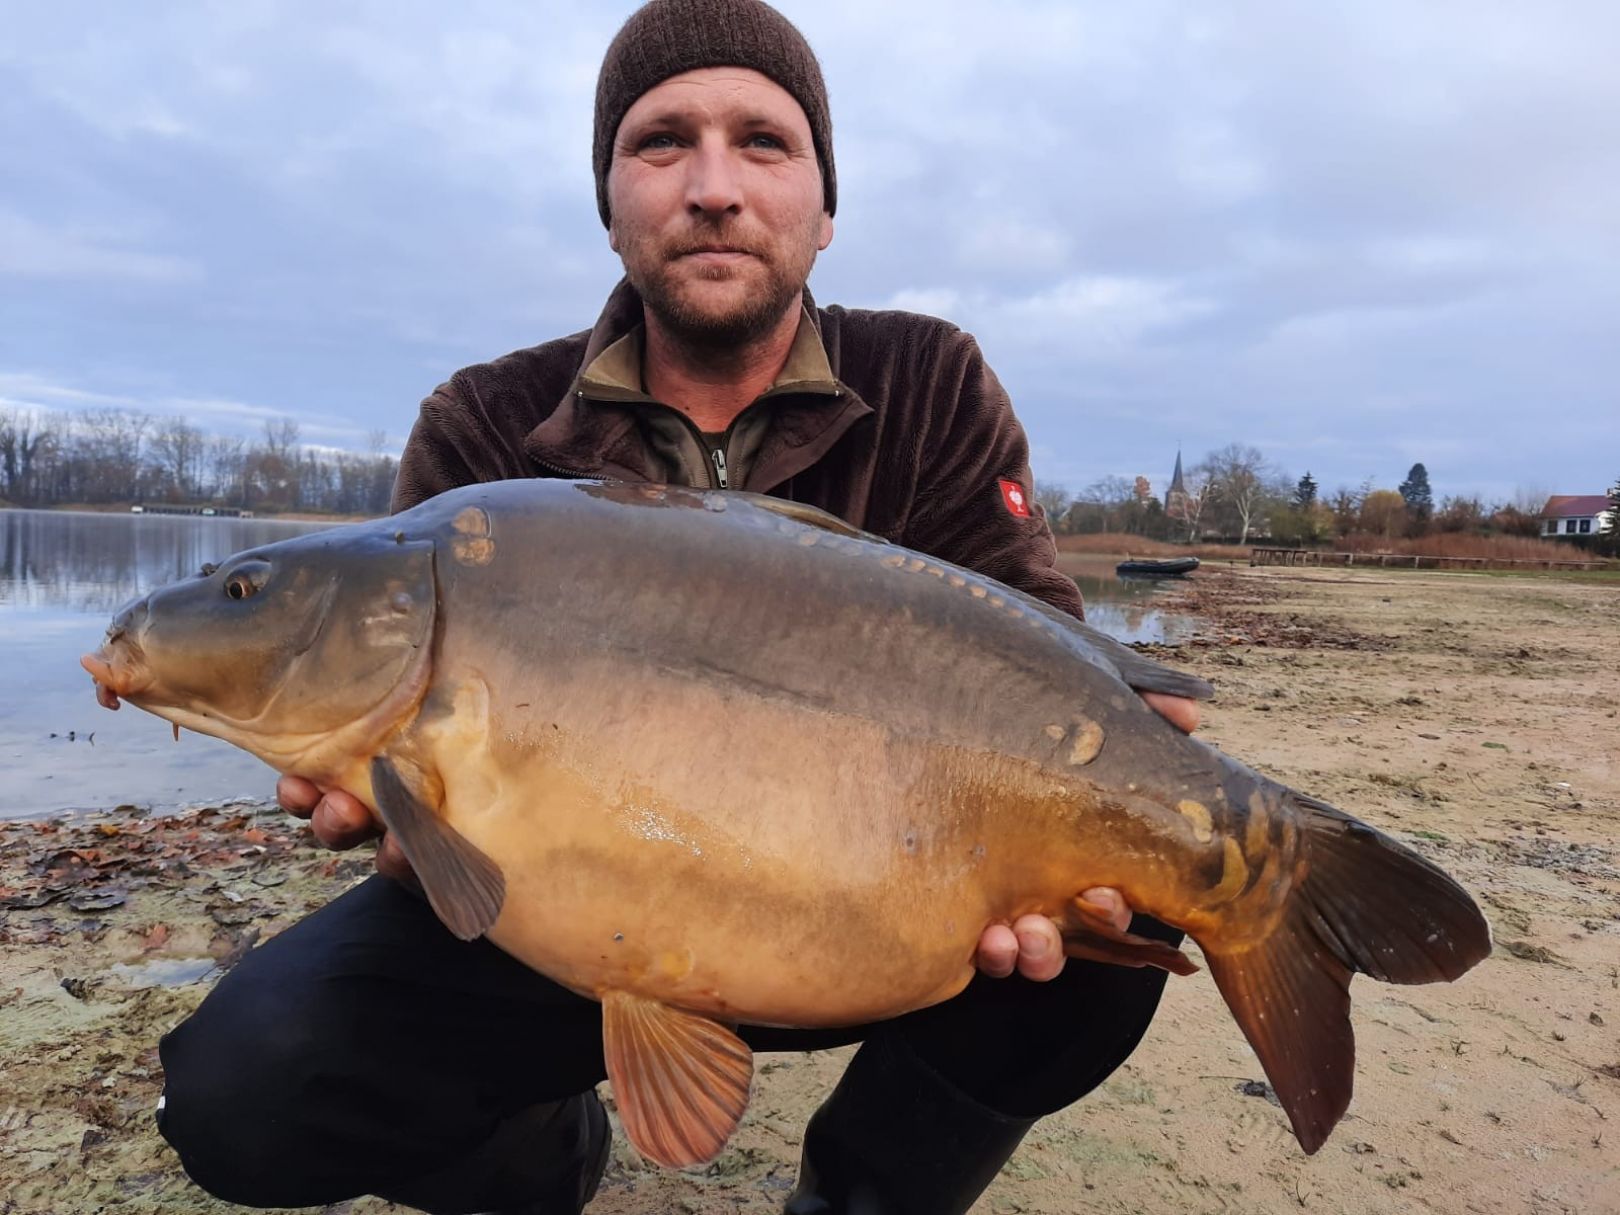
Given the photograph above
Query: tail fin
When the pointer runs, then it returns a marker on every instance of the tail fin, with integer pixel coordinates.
(1367, 904)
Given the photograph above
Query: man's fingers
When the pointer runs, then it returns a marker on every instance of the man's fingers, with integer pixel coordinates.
(297, 795)
(342, 821)
(1180, 712)
(998, 951)
(1040, 948)
(1111, 901)
(391, 863)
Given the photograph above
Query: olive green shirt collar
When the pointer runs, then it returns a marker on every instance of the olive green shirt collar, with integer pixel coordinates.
(615, 374)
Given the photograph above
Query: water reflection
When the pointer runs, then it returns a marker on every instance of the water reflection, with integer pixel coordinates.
(98, 562)
(62, 575)
(1128, 609)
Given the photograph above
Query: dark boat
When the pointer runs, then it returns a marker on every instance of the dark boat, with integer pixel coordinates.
(1173, 567)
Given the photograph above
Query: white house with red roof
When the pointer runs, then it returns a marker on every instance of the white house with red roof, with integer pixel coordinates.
(1571, 515)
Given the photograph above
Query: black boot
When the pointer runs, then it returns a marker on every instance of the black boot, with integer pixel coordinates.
(591, 1131)
(553, 1154)
(896, 1138)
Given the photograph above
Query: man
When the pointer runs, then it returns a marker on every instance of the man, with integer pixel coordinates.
(365, 1050)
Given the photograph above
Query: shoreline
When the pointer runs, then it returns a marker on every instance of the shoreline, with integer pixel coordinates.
(1474, 720)
(258, 516)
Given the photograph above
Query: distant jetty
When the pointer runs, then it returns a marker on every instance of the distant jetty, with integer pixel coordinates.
(223, 512)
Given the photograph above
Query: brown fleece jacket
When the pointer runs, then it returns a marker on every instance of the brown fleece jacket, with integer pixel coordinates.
(913, 439)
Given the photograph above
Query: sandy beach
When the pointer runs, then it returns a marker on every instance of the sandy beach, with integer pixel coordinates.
(1473, 716)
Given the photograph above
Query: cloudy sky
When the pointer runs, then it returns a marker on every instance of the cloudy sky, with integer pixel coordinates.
(1355, 236)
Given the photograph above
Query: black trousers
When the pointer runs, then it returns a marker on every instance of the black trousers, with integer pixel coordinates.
(365, 1050)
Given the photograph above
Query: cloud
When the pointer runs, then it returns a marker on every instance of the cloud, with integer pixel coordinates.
(27, 390)
(34, 250)
(1346, 234)
(1087, 316)
(31, 391)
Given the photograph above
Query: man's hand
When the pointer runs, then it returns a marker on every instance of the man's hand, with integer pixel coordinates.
(341, 821)
(1180, 712)
(1033, 946)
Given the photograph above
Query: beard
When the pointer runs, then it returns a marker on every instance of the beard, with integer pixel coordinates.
(703, 326)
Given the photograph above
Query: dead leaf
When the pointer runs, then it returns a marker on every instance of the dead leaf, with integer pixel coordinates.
(98, 900)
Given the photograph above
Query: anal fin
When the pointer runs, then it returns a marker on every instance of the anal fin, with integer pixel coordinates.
(464, 887)
(681, 1080)
(1292, 999)
(1089, 933)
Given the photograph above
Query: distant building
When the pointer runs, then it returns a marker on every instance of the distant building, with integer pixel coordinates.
(1574, 515)
(1175, 498)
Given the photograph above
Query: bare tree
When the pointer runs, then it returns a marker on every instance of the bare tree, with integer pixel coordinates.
(24, 437)
(1460, 513)
(281, 440)
(109, 448)
(1346, 507)
(1195, 482)
(176, 451)
(225, 460)
(1242, 480)
(1054, 501)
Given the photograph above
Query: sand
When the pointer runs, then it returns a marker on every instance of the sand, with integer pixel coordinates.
(1473, 716)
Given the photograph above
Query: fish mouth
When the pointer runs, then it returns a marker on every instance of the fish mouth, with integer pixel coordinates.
(117, 676)
(117, 669)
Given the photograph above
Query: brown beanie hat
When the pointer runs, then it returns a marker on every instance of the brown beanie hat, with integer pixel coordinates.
(667, 37)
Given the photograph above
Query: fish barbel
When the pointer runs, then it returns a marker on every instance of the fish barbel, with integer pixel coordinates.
(688, 752)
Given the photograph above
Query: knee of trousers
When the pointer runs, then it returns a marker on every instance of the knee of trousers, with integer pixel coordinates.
(239, 1075)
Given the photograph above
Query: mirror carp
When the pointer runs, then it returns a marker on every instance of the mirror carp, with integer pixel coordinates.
(688, 753)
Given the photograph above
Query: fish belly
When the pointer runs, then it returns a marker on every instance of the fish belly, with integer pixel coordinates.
(806, 869)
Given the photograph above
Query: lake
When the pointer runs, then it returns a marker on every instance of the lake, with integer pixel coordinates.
(1128, 609)
(62, 576)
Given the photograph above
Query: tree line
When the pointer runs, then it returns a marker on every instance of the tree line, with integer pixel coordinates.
(1235, 493)
(116, 456)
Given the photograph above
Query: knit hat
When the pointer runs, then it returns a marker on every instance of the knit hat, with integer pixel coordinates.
(667, 37)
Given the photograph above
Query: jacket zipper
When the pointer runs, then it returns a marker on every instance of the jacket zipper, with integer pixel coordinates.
(717, 473)
(560, 470)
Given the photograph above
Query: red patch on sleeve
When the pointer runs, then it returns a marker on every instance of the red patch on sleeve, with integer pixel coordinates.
(1013, 495)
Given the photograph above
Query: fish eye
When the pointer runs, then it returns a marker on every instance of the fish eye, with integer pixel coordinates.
(247, 579)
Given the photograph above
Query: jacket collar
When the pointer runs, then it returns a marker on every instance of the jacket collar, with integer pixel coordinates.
(594, 429)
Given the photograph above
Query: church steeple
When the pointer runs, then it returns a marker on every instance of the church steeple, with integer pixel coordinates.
(1175, 498)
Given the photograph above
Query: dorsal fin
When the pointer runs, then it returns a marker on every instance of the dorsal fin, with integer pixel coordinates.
(680, 1080)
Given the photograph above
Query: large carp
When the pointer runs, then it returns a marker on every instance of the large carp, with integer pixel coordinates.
(689, 753)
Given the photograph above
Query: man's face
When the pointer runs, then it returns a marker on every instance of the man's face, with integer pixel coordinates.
(716, 203)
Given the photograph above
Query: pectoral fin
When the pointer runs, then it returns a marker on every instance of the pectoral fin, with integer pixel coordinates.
(680, 1080)
(464, 887)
